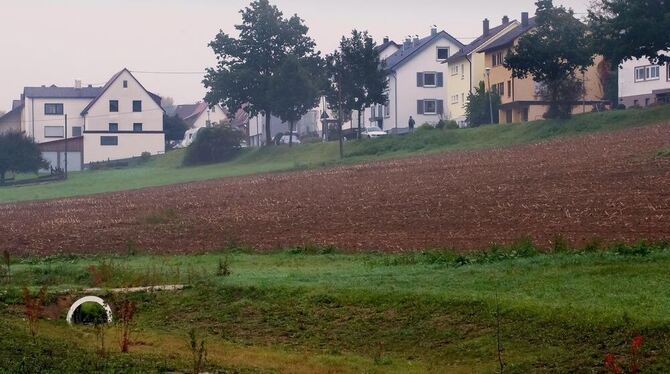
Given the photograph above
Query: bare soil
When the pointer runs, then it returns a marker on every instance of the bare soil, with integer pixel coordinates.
(607, 186)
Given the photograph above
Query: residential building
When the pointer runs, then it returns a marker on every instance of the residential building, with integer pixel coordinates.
(417, 85)
(642, 83)
(200, 114)
(387, 49)
(118, 121)
(467, 68)
(309, 124)
(520, 99)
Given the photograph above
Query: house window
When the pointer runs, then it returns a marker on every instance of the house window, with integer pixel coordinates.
(54, 131)
(214, 109)
(454, 99)
(454, 70)
(442, 53)
(647, 73)
(429, 107)
(113, 127)
(498, 58)
(509, 88)
(113, 106)
(462, 71)
(668, 74)
(125, 84)
(499, 89)
(137, 106)
(137, 127)
(76, 131)
(109, 140)
(53, 109)
(387, 111)
(463, 98)
(429, 79)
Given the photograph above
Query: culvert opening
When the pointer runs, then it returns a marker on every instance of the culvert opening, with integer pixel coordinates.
(89, 310)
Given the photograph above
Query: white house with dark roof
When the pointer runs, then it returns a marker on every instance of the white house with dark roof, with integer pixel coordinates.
(200, 114)
(642, 83)
(417, 84)
(120, 120)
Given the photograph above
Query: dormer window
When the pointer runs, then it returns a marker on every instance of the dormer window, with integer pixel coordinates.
(442, 53)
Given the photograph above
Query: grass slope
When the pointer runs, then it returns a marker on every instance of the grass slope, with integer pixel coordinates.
(166, 170)
(298, 311)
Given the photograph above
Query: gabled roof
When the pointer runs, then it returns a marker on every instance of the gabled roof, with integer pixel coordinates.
(402, 56)
(479, 42)
(54, 92)
(16, 110)
(188, 111)
(509, 38)
(109, 83)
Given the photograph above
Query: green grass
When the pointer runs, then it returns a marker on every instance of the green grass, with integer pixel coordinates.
(433, 311)
(167, 169)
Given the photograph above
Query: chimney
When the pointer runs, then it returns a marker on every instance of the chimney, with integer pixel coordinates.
(16, 103)
(416, 40)
(77, 83)
(408, 43)
(487, 27)
(386, 39)
(90, 86)
(505, 21)
(433, 30)
(524, 19)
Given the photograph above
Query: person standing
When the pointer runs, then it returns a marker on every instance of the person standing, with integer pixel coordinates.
(411, 124)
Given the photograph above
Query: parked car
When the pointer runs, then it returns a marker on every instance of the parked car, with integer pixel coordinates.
(372, 132)
(286, 139)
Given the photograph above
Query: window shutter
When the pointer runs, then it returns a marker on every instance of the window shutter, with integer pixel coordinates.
(440, 106)
(419, 107)
(440, 79)
(419, 79)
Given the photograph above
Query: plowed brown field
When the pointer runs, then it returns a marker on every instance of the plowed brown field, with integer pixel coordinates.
(609, 186)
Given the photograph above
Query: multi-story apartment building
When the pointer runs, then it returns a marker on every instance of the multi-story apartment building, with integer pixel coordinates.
(642, 83)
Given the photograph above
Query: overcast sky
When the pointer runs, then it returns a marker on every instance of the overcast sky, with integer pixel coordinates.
(58, 41)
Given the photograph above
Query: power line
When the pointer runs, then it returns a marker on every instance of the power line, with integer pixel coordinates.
(169, 72)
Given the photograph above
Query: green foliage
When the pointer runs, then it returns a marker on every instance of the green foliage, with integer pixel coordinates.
(480, 105)
(214, 144)
(19, 154)
(174, 128)
(552, 53)
(295, 87)
(626, 29)
(247, 64)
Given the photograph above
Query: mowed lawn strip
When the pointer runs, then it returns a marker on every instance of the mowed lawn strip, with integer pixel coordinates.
(558, 312)
(167, 169)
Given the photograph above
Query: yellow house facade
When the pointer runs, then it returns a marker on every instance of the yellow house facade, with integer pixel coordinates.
(519, 99)
(467, 68)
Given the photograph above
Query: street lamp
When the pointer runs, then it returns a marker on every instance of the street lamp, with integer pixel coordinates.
(488, 77)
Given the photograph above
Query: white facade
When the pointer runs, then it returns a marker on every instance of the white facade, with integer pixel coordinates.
(642, 83)
(417, 83)
(212, 115)
(121, 120)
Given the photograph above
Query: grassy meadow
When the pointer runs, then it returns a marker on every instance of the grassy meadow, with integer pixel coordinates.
(318, 310)
(168, 169)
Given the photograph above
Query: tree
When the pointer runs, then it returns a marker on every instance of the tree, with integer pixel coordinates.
(214, 144)
(296, 92)
(246, 65)
(340, 81)
(19, 154)
(369, 84)
(552, 54)
(479, 106)
(174, 127)
(625, 29)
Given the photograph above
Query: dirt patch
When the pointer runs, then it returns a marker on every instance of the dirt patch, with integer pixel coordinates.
(608, 186)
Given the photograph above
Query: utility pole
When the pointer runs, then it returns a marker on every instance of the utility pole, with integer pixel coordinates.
(66, 146)
(488, 77)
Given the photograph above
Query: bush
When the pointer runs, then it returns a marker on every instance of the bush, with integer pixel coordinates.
(621, 107)
(441, 125)
(145, 157)
(214, 144)
(426, 126)
(452, 125)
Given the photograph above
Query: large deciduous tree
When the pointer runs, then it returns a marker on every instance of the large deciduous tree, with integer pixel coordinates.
(247, 64)
(340, 82)
(19, 154)
(553, 53)
(369, 84)
(296, 91)
(625, 29)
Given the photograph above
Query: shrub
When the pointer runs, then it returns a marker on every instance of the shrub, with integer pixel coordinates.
(426, 126)
(452, 125)
(145, 157)
(224, 267)
(214, 144)
(441, 125)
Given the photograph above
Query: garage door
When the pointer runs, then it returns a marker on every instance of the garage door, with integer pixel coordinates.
(57, 159)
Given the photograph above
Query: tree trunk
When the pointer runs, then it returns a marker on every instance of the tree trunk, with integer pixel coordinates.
(268, 129)
(290, 130)
(359, 124)
(339, 133)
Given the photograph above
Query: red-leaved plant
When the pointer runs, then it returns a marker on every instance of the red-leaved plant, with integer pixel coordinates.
(634, 366)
